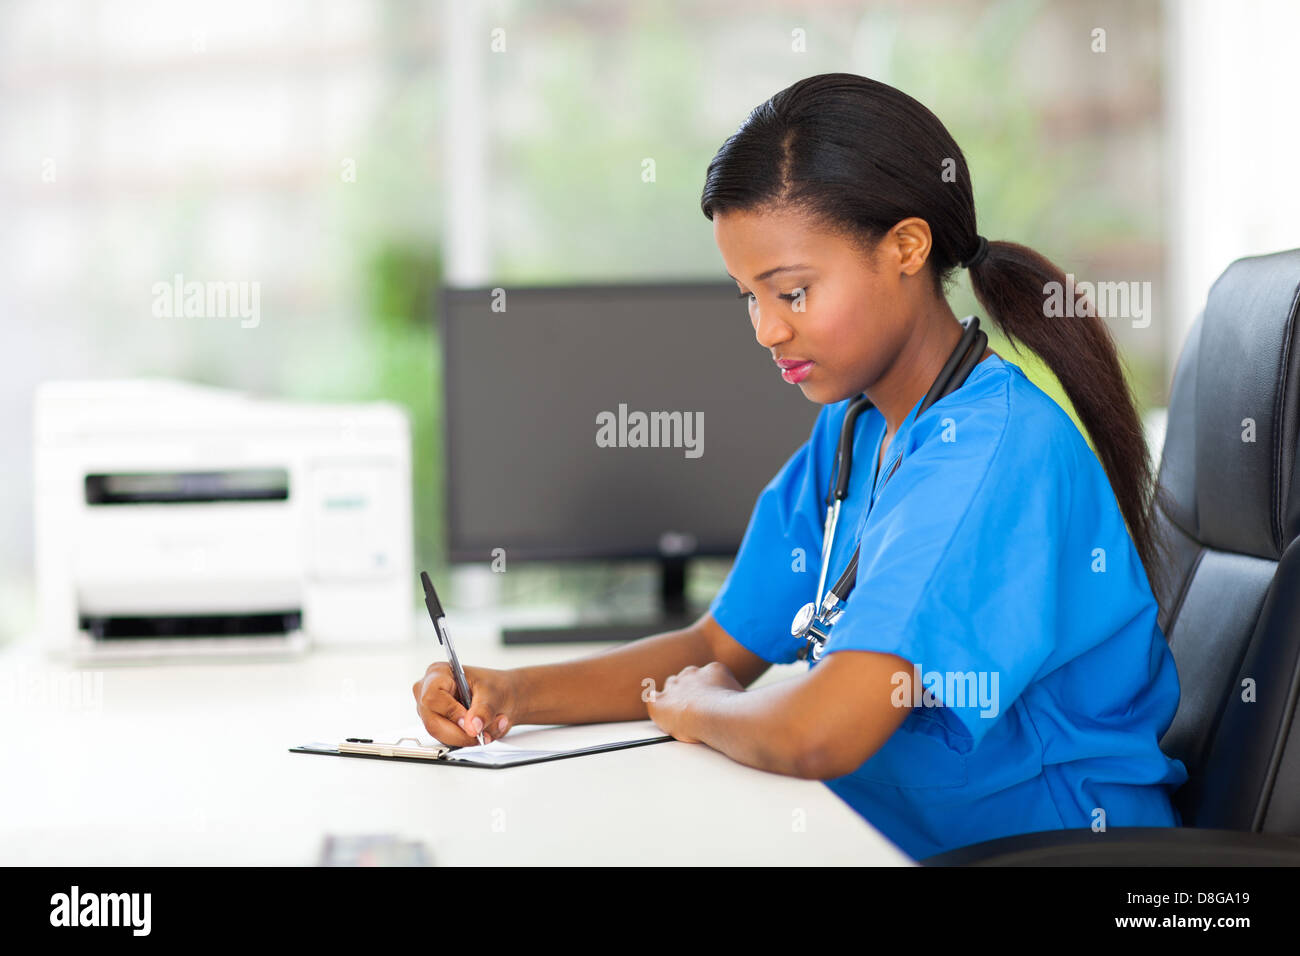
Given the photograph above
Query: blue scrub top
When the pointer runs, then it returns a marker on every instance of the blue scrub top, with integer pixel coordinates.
(997, 561)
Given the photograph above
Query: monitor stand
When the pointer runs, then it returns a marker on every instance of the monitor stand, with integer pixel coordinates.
(673, 614)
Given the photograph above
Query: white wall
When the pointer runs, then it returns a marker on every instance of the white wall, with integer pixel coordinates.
(1234, 143)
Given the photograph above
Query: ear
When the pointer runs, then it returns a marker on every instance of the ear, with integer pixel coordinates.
(912, 241)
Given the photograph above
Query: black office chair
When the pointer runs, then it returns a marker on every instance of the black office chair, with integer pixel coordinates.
(1232, 520)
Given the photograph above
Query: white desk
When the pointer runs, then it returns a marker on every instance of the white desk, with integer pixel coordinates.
(187, 764)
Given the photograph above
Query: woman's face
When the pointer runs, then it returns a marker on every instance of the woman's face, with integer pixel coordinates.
(853, 314)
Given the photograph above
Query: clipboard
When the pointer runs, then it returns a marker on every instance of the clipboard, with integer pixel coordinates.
(525, 745)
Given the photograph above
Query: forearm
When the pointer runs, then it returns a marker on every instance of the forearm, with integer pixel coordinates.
(755, 727)
(607, 686)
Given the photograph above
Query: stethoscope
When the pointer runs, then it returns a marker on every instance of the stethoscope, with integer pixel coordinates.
(816, 618)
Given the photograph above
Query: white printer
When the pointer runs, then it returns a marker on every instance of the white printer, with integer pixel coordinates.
(178, 519)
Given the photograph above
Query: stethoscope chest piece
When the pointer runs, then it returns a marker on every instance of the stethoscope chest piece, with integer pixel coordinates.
(804, 620)
(814, 628)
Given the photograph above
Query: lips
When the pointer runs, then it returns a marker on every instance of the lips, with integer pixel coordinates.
(796, 372)
(792, 363)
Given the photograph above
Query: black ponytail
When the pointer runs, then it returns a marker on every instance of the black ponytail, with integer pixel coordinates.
(857, 156)
(1011, 283)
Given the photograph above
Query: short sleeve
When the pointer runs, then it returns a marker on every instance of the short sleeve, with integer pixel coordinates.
(775, 570)
(959, 567)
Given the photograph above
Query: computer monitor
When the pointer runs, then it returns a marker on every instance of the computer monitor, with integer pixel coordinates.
(611, 422)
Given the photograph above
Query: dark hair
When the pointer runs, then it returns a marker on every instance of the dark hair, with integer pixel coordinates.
(857, 156)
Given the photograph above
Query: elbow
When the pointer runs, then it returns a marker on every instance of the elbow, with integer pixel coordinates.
(818, 758)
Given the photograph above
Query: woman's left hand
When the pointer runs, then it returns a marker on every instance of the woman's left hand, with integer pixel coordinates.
(669, 708)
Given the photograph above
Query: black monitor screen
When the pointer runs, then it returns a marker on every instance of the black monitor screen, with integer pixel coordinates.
(609, 421)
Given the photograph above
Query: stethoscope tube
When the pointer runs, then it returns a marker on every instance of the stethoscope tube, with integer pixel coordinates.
(839, 489)
(814, 620)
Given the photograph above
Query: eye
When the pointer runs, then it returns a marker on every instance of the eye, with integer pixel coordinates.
(788, 296)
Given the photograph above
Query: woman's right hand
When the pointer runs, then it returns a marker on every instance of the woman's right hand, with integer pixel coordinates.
(493, 704)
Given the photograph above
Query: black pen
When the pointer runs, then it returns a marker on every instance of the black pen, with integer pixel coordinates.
(440, 625)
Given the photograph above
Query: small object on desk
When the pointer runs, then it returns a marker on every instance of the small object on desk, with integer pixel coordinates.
(378, 849)
(440, 626)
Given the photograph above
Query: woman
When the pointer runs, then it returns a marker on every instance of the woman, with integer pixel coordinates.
(997, 667)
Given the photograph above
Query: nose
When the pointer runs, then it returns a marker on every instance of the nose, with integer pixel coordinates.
(771, 332)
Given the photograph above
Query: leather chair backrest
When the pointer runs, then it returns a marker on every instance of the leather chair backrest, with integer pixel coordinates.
(1229, 511)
